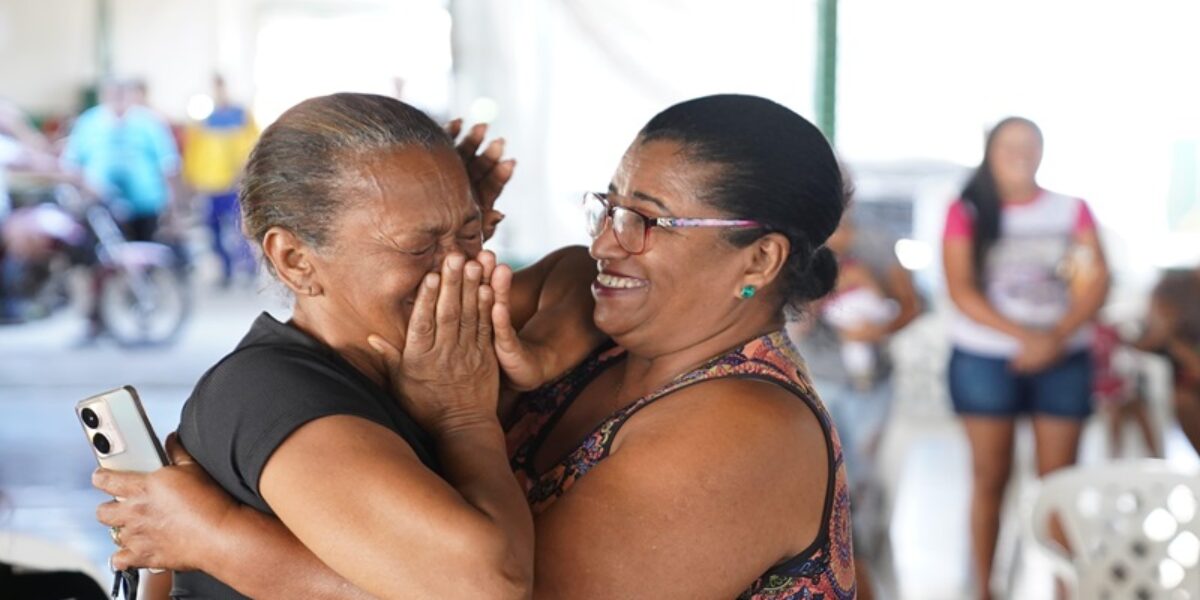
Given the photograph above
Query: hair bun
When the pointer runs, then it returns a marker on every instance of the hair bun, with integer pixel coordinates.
(820, 277)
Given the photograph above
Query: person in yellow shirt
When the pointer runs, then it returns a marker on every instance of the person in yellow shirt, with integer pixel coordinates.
(216, 149)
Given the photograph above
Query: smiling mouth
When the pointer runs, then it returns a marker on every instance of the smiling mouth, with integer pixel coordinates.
(609, 280)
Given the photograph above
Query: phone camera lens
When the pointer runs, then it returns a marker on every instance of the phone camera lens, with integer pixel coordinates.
(101, 443)
(90, 418)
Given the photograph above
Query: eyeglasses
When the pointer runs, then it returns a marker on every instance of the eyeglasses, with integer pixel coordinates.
(632, 228)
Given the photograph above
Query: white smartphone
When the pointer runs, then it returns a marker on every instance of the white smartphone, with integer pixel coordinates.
(119, 431)
(120, 434)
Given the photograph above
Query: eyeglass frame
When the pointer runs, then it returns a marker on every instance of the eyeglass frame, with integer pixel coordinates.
(663, 222)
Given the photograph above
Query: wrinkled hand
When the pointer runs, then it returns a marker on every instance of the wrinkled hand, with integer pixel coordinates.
(1038, 351)
(487, 172)
(164, 516)
(447, 374)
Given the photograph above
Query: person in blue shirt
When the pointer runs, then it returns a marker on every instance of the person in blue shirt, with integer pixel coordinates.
(128, 153)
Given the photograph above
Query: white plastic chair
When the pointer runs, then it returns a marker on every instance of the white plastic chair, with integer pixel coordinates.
(1133, 528)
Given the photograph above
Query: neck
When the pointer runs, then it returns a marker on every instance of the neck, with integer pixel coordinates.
(647, 370)
(1018, 193)
(348, 342)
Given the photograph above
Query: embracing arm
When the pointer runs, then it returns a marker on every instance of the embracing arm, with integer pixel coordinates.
(180, 519)
(390, 525)
(378, 516)
(543, 319)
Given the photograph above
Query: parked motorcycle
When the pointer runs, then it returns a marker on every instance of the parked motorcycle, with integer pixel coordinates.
(140, 292)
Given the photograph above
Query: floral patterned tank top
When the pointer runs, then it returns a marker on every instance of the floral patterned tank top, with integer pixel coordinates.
(825, 571)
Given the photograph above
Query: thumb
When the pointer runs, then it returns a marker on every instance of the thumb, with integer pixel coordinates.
(507, 341)
(391, 355)
(502, 325)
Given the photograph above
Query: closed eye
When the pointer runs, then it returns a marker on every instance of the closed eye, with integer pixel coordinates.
(421, 252)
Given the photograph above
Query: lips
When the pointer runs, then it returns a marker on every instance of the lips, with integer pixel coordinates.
(609, 280)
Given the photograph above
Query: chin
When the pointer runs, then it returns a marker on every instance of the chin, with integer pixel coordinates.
(613, 323)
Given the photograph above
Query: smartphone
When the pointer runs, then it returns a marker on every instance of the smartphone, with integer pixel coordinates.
(119, 432)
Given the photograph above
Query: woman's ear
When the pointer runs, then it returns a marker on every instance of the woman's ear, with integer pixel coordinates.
(768, 255)
(293, 261)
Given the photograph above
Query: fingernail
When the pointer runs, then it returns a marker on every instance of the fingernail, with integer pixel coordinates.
(457, 261)
(474, 270)
(373, 342)
(431, 280)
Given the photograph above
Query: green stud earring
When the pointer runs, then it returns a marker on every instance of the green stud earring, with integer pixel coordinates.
(748, 292)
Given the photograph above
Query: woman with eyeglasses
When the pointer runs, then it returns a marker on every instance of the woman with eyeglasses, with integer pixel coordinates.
(688, 455)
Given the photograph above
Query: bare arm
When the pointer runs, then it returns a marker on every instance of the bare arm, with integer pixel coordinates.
(1092, 292)
(387, 523)
(180, 519)
(378, 516)
(684, 507)
(543, 320)
(901, 289)
(957, 258)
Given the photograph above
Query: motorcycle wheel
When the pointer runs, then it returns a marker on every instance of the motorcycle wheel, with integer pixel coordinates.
(146, 306)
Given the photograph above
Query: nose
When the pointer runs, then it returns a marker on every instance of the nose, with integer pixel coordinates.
(456, 246)
(605, 245)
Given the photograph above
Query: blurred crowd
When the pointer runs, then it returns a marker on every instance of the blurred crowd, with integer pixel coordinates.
(119, 161)
(1028, 280)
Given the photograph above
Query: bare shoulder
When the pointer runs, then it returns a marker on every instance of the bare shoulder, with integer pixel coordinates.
(743, 421)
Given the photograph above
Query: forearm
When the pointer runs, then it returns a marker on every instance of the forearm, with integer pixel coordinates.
(563, 326)
(474, 461)
(281, 566)
(565, 336)
(1084, 308)
(908, 313)
(901, 289)
(972, 304)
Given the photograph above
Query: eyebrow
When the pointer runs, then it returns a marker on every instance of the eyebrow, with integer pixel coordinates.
(437, 230)
(644, 197)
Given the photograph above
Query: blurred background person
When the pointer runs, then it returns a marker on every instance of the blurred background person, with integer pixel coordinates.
(1173, 329)
(216, 150)
(25, 153)
(127, 152)
(1119, 391)
(1020, 335)
(843, 340)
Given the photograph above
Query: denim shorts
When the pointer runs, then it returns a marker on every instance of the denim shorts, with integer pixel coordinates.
(987, 386)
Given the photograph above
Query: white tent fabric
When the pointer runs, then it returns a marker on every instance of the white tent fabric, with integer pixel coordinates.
(574, 80)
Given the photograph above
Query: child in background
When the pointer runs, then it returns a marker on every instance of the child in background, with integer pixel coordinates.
(1119, 390)
(858, 304)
